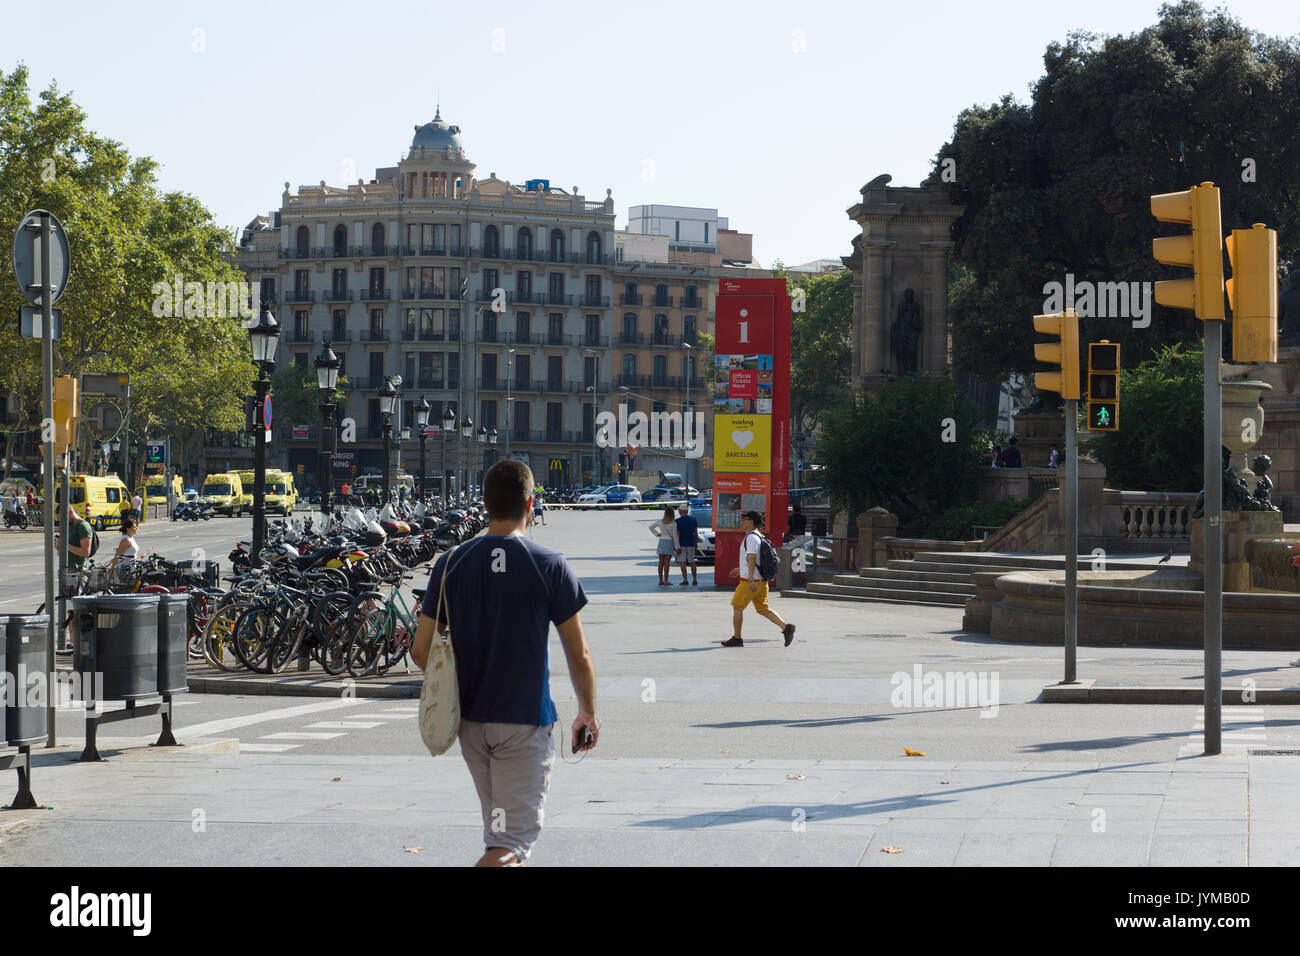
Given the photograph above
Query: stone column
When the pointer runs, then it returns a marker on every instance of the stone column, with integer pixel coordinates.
(875, 314)
(873, 526)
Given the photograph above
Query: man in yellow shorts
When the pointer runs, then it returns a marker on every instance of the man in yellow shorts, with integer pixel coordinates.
(752, 588)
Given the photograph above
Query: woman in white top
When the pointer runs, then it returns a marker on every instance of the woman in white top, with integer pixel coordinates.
(126, 547)
(666, 531)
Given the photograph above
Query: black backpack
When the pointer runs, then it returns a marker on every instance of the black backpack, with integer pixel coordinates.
(94, 542)
(769, 562)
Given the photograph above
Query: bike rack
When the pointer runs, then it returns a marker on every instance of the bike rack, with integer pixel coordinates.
(133, 709)
(21, 762)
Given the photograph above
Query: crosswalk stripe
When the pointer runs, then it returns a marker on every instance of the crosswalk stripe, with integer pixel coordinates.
(301, 735)
(346, 724)
(387, 715)
(266, 748)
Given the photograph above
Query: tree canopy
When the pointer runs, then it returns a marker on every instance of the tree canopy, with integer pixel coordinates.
(1063, 184)
(821, 350)
(125, 235)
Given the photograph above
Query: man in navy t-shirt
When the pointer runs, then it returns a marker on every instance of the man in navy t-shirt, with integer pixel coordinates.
(688, 531)
(503, 591)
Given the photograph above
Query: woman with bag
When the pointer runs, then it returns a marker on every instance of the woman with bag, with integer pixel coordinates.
(666, 531)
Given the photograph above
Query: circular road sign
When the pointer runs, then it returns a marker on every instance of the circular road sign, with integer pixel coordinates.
(27, 256)
(266, 413)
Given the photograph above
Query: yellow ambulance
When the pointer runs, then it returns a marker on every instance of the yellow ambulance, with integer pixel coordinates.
(281, 495)
(225, 492)
(100, 499)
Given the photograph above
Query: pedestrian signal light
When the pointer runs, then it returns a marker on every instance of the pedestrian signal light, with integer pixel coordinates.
(1202, 250)
(1252, 293)
(1103, 386)
(1065, 353)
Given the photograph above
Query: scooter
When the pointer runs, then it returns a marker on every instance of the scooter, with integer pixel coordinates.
(17, 517)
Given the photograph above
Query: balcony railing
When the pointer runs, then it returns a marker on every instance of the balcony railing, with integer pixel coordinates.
(663, 302)
(653, 381)
(337, 295)
(375, 335)
(375, 295)
(558, 338)
(595, 301)
(528, 298)
(558, 299)
(293, 295)
(665, 340)
(488, 293)
(424, 292)
(631, 338)
(695, 303)
(363, 383)
(339, 335)
(428, 381)
(299, 335)
(625, 299)
(595, 341)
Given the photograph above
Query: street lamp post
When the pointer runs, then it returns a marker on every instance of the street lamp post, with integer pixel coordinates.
(327, 380)
(448, 423)
(387, 402)
(510, 365)
(686, 448)
(482, 454)
(466, 433)
(422, 422)
(264, 336)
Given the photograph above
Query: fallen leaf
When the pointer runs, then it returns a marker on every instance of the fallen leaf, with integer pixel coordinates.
(943, 783)
(724, 751)
(891, 849)
(913, 753)
(335, 779)
(794, 776)
(414, 849)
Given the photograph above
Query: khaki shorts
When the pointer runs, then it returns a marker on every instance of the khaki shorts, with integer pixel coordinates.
(511, 766)
(686, 555)
(742, 598)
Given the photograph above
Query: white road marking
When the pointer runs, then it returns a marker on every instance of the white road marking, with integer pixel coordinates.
(300, 735)
(346, 724)
(386, 715)
(412, 711)
(267, 748)
(227, 724)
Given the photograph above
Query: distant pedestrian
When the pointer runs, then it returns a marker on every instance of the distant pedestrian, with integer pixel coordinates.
(1054, 458)
(752, 588)
(995, 459)
(798, 523)
(665, 530)
(688, 532)
(1011, 454)
(137, 503)
(539, 508)
(503, 591)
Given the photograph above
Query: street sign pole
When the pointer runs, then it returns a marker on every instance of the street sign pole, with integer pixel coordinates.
(1213, 529)
(47, 385)
(1071, 493)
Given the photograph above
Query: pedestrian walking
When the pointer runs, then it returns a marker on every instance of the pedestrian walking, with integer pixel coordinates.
(665, 529)
(688, 532)
(798, 523)
(752, 589)
(539, 507)
(503, 591)
(137, 504)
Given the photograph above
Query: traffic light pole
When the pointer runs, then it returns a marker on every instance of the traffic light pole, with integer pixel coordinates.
(1071, 493)
(47, 388)
(1213, 528)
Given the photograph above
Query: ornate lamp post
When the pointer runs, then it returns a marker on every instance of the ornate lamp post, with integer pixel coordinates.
(422, 422)
(327, 380)
(387, 402)
(482, 456)
(448, 423)
(467, 433)
(264, 337)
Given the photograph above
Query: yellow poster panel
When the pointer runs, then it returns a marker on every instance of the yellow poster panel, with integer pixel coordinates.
(742, 443)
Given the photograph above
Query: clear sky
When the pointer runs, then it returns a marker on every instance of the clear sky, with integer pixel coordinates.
(775, 113)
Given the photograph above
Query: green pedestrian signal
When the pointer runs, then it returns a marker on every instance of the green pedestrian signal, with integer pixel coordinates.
(1103, 386)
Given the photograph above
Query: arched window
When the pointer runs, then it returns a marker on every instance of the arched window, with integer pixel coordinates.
(491, 242)
(524, 244)
(340, 240)
(688, 330)
(377, 239)
(661, 369)
(661, 294)
(629, 365)
(303, 242)
(593, 247)
(629, 326)
(661, 329)
(692, 297)
(557, 245)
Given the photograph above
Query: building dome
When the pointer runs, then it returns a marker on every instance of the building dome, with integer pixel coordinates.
(437, 135)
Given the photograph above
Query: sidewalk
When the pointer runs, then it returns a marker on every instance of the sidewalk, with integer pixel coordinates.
(329, 810)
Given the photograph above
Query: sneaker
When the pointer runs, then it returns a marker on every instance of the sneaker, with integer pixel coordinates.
(734, 642)
(789, 634)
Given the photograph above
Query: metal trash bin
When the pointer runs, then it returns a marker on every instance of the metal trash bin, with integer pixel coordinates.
(117, 637)
(25, 658)
(173, 642)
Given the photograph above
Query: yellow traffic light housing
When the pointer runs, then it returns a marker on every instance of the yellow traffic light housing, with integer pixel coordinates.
(1103, 386)
(1252, 293)
(64, 414)
(1065, 353)
(1202, 251)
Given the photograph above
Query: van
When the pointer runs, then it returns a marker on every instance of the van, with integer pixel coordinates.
(246, 482)
(281, 495)
(225, 492)
(100, 499)
(155, 489)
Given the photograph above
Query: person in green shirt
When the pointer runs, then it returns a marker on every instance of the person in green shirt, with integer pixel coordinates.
(79, 539)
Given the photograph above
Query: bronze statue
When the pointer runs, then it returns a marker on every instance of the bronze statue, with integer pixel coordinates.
(1288, 307)
(907, 335)
(1236, 495)
(1259, 465)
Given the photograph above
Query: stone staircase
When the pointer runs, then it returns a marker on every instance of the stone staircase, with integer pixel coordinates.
(937, 578)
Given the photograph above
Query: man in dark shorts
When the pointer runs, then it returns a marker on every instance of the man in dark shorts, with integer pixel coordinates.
(503, 593)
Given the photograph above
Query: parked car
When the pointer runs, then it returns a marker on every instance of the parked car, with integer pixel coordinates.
(595, 495)
(704, 551)
(623, 495)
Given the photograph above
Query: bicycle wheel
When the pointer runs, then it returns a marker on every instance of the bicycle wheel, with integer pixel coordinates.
(253, 636)
(369, 633)
(331, 626)
(219, 633)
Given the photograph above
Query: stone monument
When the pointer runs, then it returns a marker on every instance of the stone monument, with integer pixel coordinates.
(900, 281)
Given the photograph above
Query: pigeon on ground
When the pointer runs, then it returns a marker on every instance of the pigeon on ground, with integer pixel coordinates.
(1168, 554)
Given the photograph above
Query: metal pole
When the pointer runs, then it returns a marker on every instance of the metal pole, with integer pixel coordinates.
(47, 387)
(388, 454)
(1071, 493)
(262, 386)
(510, 368)
(422, 427)
(325, 473)
(1213, 529)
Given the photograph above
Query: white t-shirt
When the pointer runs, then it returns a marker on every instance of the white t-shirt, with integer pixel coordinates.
(136, 502)
(750, 544)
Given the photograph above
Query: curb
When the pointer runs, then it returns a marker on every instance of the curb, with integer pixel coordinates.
(407, 690)
(1087, 692)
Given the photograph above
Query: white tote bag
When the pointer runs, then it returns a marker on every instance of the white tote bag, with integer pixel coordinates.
(440, 695)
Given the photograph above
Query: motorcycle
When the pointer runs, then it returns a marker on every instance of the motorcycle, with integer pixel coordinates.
(17, 517)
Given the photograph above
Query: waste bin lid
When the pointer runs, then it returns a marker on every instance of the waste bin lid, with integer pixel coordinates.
(114, 602)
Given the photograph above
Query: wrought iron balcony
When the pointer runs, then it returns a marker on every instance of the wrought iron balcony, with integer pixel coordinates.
(625, 299)
(337, 295)
(294, 295)
(375, 295)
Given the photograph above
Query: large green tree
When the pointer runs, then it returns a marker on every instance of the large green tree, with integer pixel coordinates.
(125, 236)
(1062, 184)
(821, 350)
